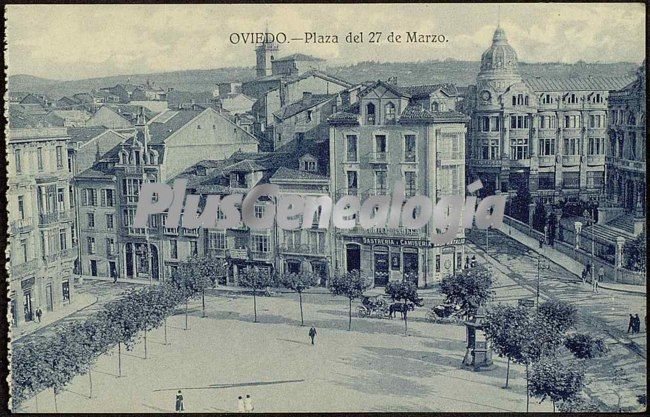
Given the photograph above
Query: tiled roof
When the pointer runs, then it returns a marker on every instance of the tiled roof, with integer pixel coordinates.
(417, 91)
(416, 113)
(245, 166)
(578, 83)
(302, 105)
(343, 118)
(284, 173)
(299, 57)
(94, 173)
(84, 134)
(161, 131)
(19, 117)
(319, 74)
(390, 87)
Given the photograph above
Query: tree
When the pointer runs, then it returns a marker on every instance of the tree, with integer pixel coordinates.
(299, 282)
(552, 227)
(470, 288)
(634, 253)
(502, 326)
(255, 279)
(520, 203)
(539, 216)
(577, 404)
(351, 285)
(196, 274)
(404, 291)
(558, 313)
(557, 379)
(584, 346)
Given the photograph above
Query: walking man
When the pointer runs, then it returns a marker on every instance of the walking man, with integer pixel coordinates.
(630, 324)
(601, 276)
(39, 313)
(241, 408)
(179, 402)
(312, 334)
(541, 242)
(248, 404)
(114, 278)
(637, 324)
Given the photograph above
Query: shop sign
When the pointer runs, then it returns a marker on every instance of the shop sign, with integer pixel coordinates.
(420, 243)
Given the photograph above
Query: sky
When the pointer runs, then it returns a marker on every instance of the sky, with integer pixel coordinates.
(83, 41)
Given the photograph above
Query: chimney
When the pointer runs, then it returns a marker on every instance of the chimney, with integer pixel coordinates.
(306, 95)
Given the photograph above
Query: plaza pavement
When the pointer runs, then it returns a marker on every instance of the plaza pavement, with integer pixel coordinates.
(374, 367)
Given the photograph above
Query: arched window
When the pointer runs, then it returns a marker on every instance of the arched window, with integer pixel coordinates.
(390, 113)
(370, 114)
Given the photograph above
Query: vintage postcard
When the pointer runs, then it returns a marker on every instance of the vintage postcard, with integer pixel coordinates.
(326, 208)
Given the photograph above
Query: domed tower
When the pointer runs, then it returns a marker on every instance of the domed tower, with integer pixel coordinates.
(499, 67)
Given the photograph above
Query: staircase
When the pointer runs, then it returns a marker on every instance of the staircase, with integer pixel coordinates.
(624, 222)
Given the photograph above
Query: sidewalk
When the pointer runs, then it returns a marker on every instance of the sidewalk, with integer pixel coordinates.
(565, 261)
(80, 301)
(120, 280)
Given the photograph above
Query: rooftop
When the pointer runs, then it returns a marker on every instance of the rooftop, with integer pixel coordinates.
(299, 57)
(578, 83)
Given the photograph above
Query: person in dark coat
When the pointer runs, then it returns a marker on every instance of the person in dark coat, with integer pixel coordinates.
(39, 313)
(179, 402)
(637, 324)
(630, 324)
(312, 334)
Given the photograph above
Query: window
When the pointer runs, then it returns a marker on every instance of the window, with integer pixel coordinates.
(571, 146)
(259, 211)
(411, 185)
(71, 196)
(595, 179)
(380, 182)
(60, 199)
(173, 249)
(110, 200)
(519, 122)
(546, 146)
(216, 240)
(485, 124)
(91, 219)
(194, 248)
(23, 250)
(548, 122)
(39, 153)
(59, 156)
(110, 246)
(63, 241)
(437, 263)
(571, 180)
(572, 122)
(21, 207)
(409, 148)
(546, 180)
(380, 147)
(351, 148)
(596, 146)
(494, 124)
(89, 197)
(352, 183)
(519, 149)
(65, 291)
(260, 243)
(90, 244)
(308, 116)
(110, 221)
(19, 166)
(370, 114)
(390, 113)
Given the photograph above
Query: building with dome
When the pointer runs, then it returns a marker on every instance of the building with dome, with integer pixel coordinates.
(547, 136)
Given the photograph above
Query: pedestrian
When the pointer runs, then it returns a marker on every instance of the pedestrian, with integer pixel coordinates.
(248, 404)
(179, 402)
(601, 276)
(312, 334)
(588, 268)
(637, 324)
(584, 275)
(39, 313)
(114, 279)
(473, 263)
(541, 242)
(630, 324)
(241, 408)
(466, 262)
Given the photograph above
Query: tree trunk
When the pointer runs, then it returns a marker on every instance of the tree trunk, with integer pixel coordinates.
(90, 379)
(507, 373)
(56, 408)
(527, 389)
(145, 344)
(203, 301)
(405, 319)
(119, 359)
(553, 405)
(350, 316)
(186, 313)
(36, 399)
(302, 322)
(254, 306)
(165, 327)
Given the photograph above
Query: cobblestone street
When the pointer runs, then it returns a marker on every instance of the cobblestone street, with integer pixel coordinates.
(604, 314)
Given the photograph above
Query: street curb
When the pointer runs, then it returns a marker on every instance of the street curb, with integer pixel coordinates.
(639, 293)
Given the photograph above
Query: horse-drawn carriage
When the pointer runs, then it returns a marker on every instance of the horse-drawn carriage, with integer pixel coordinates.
(373, 306)
(443, 311)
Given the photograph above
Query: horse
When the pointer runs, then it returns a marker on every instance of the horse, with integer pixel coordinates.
(401, 307)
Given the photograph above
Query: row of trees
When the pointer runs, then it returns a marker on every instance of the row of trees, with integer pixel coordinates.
(538, 339)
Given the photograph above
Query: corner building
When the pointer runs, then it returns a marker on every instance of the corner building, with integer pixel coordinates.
(390, 135)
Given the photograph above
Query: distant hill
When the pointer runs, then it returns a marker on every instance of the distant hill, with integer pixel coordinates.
(461, 73)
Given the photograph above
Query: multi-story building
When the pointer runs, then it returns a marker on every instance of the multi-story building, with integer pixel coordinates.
(544, 135)
(108, 192)
(40, 221)
(392, 135)
(626, 153)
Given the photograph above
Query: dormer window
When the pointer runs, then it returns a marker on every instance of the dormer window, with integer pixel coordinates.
(370, 114)
(390, 113)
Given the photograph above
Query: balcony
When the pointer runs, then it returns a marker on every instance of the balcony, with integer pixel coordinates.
(627, 164)
(171, 231)
(302, 249)
(378, 191)
(29, 267)
(45, 219)
(133, 170)
(65, 255)
(139, 231)
(21, 226)
(129, 199)
(261, 256)
(379, 158)
(595, 160)
(570, 160)
(191, 232)
(520, 163)
(546, 160)
(409, 157)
